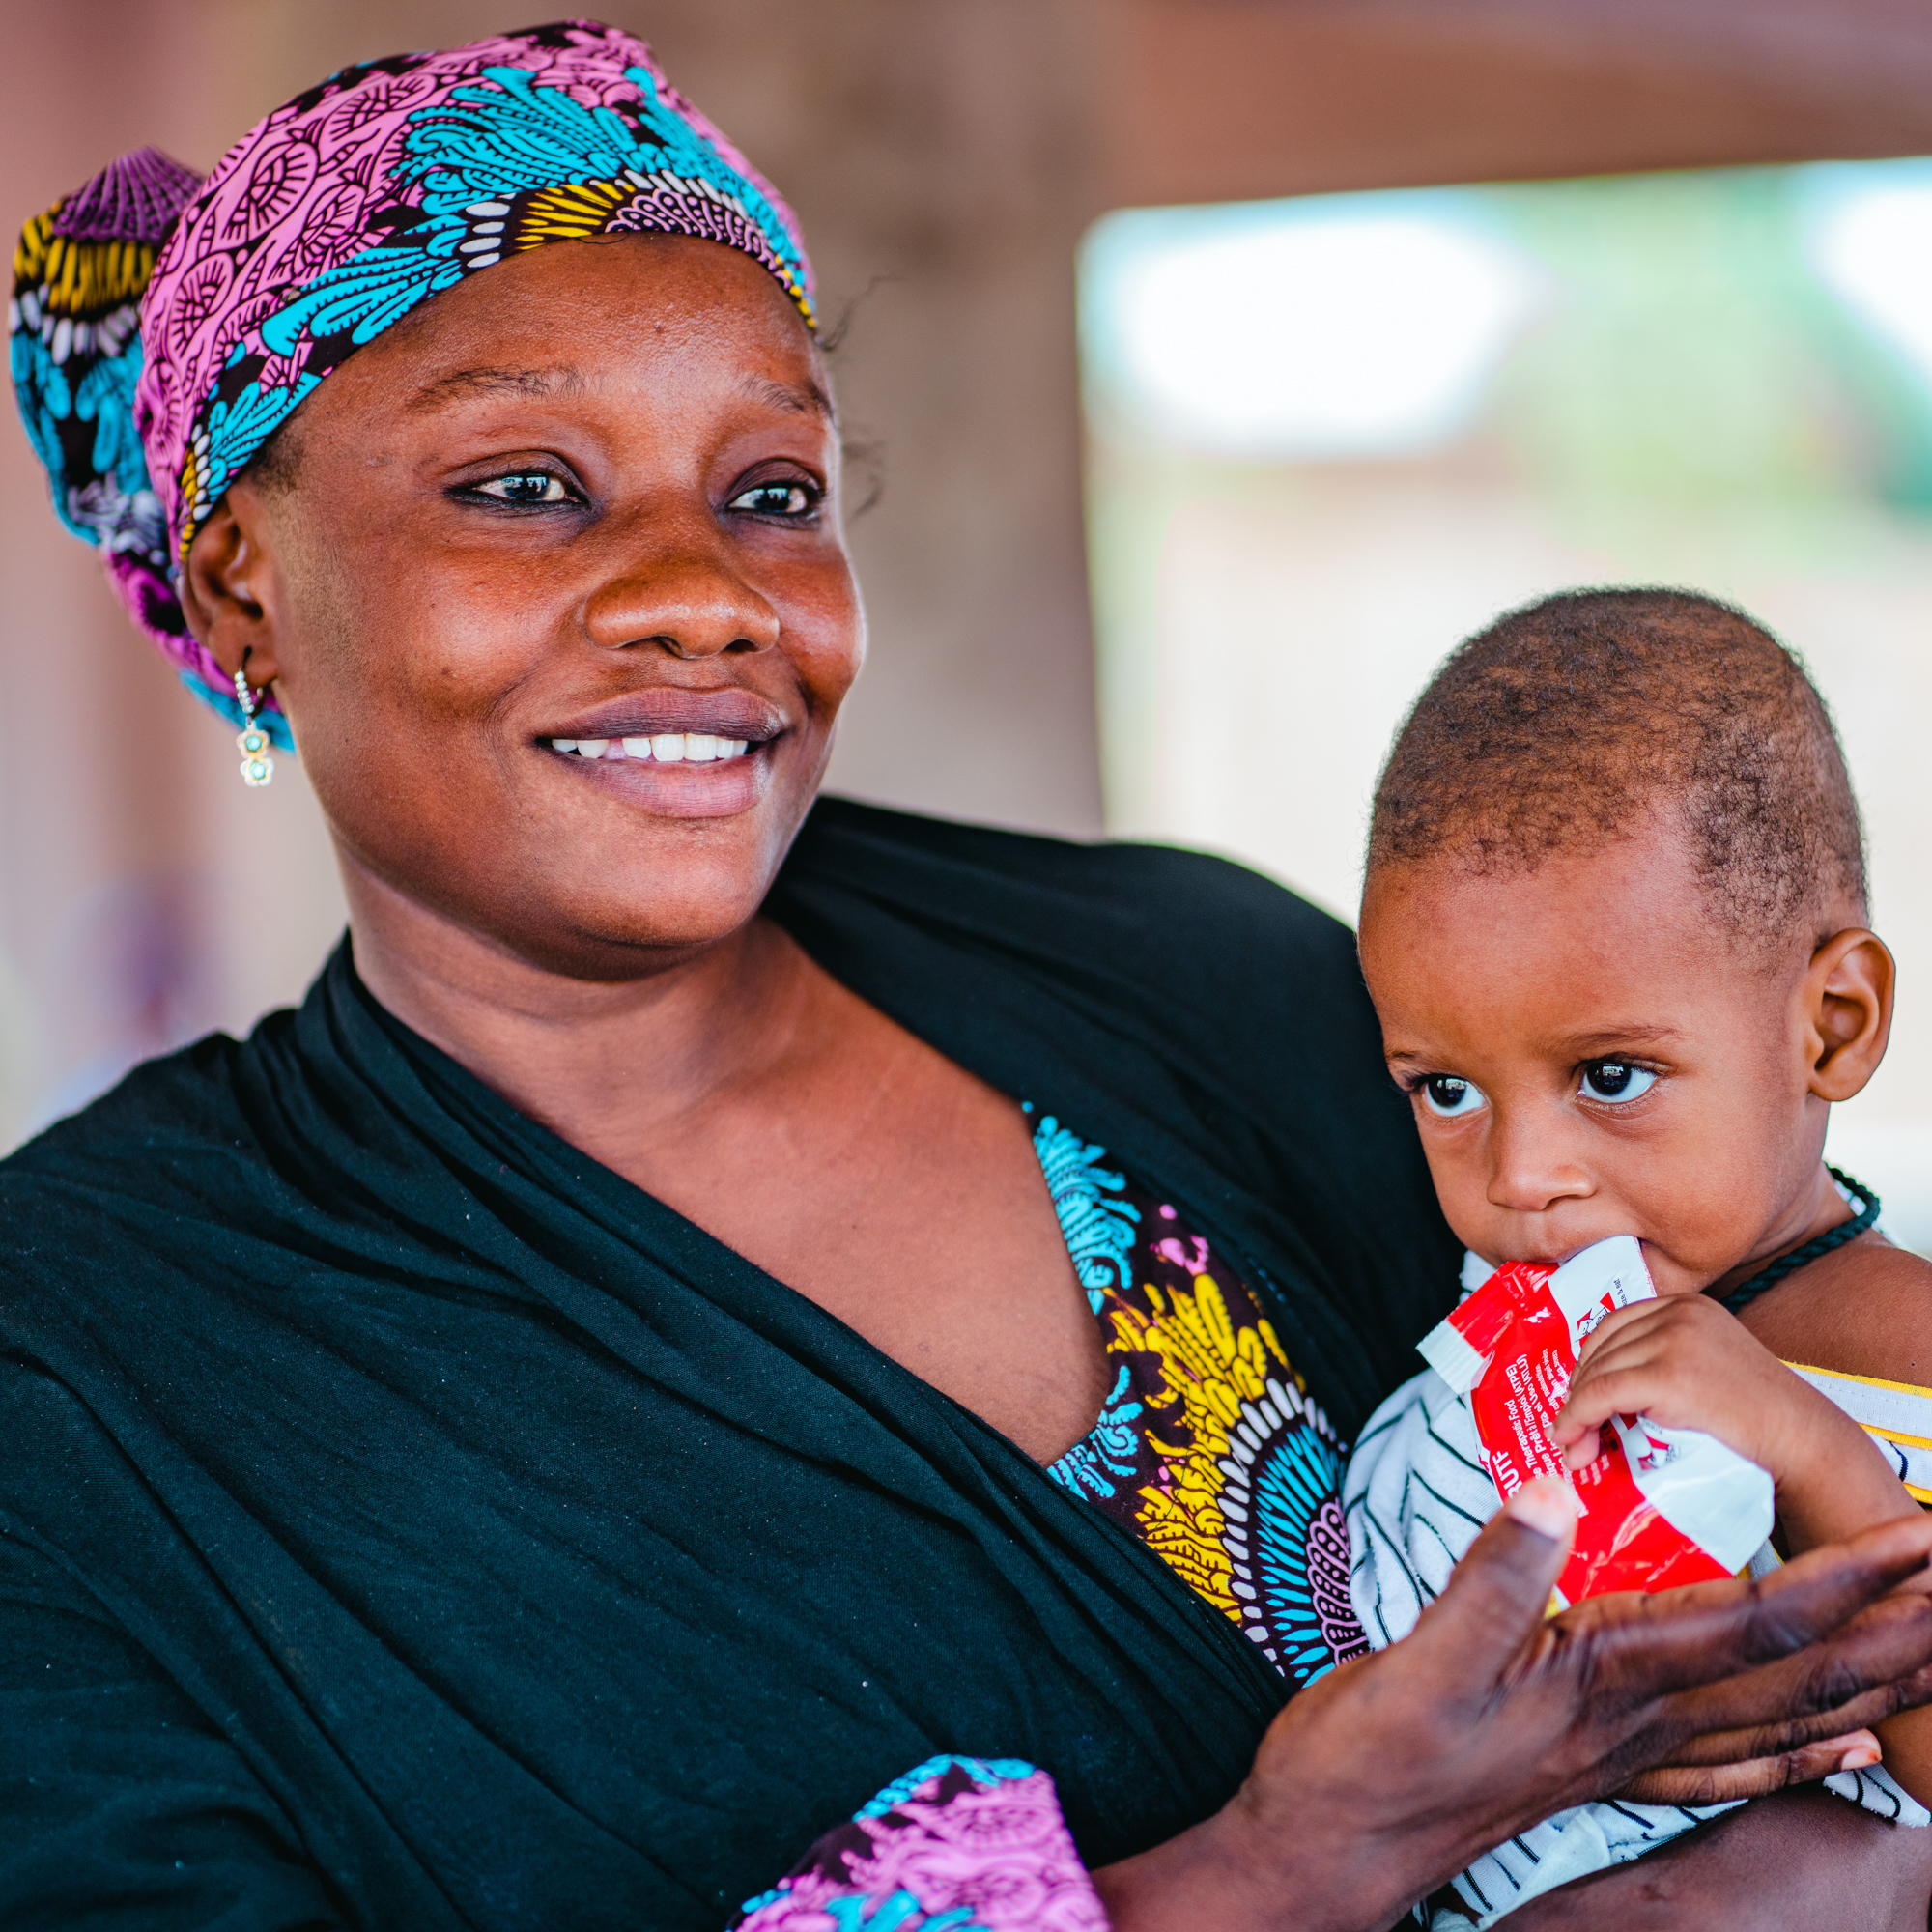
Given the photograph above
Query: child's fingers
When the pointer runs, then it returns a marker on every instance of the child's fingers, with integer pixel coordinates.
(1618, 1322)
(1669, 1354)
(1635, 1348)
(1678, 1360)
(1585, 1415)
(1683, 1373)
(1646, 1349)
(1686, 1318)
(1645, 1353)
(1640, 1389)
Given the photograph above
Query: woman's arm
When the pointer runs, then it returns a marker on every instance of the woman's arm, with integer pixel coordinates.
(1382, 1781)
(123, 1804)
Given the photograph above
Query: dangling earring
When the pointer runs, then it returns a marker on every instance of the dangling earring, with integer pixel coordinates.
(257, 766)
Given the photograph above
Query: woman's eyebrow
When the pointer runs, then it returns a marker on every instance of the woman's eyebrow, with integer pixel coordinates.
(462, 383)
(801, 399)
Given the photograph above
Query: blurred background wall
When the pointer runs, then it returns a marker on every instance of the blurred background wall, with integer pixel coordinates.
(945, 156)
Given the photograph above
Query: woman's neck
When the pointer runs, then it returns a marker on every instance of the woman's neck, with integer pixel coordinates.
(601, 1062)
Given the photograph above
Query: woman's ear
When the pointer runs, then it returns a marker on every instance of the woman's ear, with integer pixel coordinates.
(1847, 997)
(224, 585)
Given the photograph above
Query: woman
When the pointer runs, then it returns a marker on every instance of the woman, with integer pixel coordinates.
(597, 1411)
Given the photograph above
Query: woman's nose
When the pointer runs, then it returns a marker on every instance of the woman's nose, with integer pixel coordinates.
(690, 606)
(1530, 1171)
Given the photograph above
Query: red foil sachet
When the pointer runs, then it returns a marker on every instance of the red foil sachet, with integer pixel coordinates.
(1659, 1507)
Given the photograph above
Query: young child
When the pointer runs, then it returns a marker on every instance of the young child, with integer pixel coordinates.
(1614, 927)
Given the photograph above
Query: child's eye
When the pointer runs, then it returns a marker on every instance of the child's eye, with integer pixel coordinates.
(1615, 1081)
(524, 487)
(1446, 1094)
(776, 499)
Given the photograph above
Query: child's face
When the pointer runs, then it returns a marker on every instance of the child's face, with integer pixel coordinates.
(1590, 1054)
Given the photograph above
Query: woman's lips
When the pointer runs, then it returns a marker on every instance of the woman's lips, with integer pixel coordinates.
(685, 753)
(659, 725)
(682, 774)
(667, 748)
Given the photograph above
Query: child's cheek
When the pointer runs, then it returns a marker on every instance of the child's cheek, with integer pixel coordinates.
(1689, 1236)
(1461, 1173)
(1671, 1275)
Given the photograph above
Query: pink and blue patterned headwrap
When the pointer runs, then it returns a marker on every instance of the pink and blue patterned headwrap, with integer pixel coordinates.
(165, 327)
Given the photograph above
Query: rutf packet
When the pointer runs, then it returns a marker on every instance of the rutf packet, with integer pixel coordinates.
(1659, 1507)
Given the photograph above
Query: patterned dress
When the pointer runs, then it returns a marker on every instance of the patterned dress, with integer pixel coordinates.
(1210, 1450)
(1208, 1447)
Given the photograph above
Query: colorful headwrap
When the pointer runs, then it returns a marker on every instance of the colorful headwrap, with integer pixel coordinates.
(165, 327)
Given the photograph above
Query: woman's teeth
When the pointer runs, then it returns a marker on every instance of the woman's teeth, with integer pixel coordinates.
(669, 748)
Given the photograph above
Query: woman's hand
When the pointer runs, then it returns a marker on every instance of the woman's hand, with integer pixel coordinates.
(1383, 1780)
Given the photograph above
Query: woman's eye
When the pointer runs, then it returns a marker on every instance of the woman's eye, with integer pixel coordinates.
(525, 485)
(776, 499)
(1615, 1081)
(1444, 1094)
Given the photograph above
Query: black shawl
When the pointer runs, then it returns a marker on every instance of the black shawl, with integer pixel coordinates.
(405, 1522)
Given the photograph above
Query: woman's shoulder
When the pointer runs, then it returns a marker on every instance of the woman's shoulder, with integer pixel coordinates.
(1147, 911)
(160, 1148)
(183, 1096)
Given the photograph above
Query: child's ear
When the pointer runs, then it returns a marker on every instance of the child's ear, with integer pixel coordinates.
(1847, 1010)
(224, 585)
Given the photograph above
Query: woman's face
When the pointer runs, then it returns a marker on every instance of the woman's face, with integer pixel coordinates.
(591, 495)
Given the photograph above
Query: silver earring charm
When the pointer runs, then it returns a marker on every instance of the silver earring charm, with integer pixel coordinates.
(257, 766)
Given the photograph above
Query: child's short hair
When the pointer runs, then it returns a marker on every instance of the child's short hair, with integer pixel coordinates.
(1571, 719)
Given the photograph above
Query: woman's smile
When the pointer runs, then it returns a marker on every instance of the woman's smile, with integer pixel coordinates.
(672, 748)
(681, 753)
(689, 775)
(672, 774)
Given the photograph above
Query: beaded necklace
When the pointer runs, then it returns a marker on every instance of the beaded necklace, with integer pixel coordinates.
(1846, 1230)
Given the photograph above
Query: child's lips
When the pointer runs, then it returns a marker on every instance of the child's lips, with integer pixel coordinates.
(1550, 1253)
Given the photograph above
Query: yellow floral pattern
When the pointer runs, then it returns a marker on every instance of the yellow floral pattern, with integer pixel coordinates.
(1208, 1448)
(1208, 1366)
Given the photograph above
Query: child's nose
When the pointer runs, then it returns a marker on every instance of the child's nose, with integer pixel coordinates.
(1530, 1175)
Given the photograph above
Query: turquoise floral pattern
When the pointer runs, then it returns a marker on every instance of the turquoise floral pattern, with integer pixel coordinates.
(1102, 1461)
(1097, 1221)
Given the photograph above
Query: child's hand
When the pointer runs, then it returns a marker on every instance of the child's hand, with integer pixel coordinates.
(1690, 1364)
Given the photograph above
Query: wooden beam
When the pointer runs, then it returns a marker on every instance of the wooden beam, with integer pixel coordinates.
(1233, 100)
